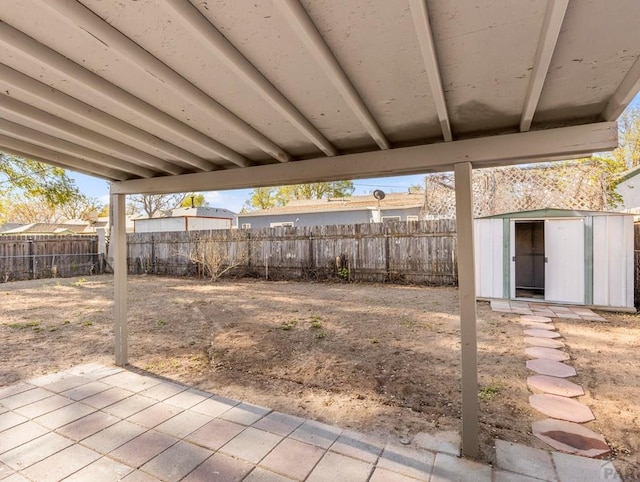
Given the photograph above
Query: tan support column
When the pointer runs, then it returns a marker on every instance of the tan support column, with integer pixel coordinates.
(118, 246)
(467, 295)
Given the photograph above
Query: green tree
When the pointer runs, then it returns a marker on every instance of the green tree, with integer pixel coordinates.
(628, 150)
(31, 178)
(196, 198)
(268, 197)
(261, 198)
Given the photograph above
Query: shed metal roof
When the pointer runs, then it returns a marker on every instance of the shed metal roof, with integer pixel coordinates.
(240, 94)
(553, 213)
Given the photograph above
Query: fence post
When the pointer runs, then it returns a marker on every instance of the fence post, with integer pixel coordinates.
(385, 231)
(32, 260)
(102, 249)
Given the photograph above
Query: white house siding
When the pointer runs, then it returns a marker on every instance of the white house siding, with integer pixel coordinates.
(180, 223)
(199, 224)
(613, 261)
(488, 237)
(157, 225)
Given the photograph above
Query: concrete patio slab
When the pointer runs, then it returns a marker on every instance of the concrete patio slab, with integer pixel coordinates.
(448, 468)
(524, 460)
(202, 444)
(335, 467)
(358, 446)
(545, 342)
(562, 408)
(551, 368)
(446, 442)
(546, 353)
(570, 437)
(555, 385)
(571, 467)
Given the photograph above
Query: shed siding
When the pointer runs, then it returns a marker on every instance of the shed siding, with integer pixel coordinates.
(612, 264)
(489, 258)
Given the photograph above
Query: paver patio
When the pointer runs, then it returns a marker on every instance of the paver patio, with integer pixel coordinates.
(103, 423)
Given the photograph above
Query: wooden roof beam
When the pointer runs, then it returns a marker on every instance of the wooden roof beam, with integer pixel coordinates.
(32, 136)
(551, 25)
(17, 41)
(106, 123)
(82, 135)
(304, 27)
(420, 16)
(627, 90)
(243, 68)
(509, 149)
(48, 156)
(97, 27)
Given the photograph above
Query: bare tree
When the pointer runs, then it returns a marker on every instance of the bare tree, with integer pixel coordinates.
(217, 254)
(150, 204)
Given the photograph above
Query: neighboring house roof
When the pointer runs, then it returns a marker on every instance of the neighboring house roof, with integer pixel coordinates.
(351, 203)
(51, 228)
(630, 173)
(198, 211)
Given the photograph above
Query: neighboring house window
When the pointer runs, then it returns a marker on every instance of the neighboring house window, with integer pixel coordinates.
(246, 226)
(277, 225)
(386, 219)
(412, 219)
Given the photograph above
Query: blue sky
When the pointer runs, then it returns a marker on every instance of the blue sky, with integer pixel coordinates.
(234, 199)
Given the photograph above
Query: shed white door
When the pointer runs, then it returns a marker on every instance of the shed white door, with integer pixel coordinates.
(564, 250)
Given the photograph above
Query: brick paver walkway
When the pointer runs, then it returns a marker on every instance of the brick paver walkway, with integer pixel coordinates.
(99, 423)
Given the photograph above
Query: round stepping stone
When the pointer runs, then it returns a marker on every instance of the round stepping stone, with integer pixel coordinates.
(546, 353)
(531, 325)
(536, 319)
(546, 342)
(551, 368)
(554, 385)
(562, 408)
(542, 333)
(570, 437)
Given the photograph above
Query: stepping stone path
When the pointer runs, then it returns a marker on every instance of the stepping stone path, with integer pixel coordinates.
(563, 431)
(551, 368)
(555, 385)
(544, 342)
(542, 333)
(546, 353)
(562, 408)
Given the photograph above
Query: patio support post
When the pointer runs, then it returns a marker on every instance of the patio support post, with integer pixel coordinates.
(467, 297)
(118, 244)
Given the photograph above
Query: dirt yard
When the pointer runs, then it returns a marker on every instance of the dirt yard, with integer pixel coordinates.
(378, 358)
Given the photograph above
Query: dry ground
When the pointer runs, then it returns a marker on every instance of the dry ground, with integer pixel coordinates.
(378, 358)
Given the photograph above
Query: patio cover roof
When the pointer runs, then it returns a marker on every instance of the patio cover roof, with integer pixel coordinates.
(167, 95)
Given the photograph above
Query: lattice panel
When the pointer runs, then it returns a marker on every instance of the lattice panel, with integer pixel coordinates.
(511, 189)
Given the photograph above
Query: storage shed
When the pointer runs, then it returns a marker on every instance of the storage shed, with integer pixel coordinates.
(555, 255)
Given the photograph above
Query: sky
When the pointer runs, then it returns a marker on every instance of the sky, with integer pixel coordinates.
(234, 199)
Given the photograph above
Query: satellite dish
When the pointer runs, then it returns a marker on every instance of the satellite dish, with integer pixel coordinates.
(378, 194)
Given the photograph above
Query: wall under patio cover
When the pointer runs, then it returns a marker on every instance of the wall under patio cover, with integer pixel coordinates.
(561, 256)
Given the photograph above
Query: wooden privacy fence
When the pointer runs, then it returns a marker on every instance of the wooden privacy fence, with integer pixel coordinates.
(48, 256)
(415, 252)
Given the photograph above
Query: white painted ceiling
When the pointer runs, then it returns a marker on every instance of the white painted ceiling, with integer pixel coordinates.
(150, 88)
